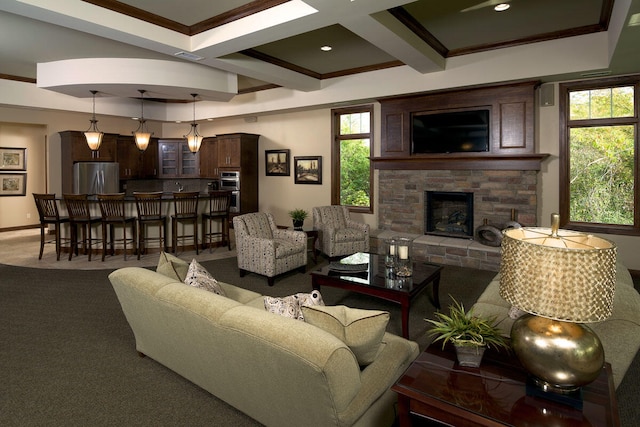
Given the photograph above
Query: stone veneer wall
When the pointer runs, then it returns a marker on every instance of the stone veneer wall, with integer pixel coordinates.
(495, 193)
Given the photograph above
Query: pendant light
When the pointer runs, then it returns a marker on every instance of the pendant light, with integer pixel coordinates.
(194, 139)
(93, 135)
(142, 134)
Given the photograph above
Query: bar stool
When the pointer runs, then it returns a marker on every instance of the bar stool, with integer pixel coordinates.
(149, 207)
(80, 216)
(49, 215)
(113, 213)
(185, 205)
(219, 203)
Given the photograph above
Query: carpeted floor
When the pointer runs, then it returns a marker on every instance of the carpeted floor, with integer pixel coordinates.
(68, 355)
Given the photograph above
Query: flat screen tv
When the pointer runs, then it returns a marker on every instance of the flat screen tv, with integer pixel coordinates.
(450, 132)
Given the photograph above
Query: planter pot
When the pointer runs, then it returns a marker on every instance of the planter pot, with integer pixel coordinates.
(297, 224)
(469, 356)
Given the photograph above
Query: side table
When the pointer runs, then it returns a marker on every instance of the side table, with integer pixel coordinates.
(312, 235)
(436, 388)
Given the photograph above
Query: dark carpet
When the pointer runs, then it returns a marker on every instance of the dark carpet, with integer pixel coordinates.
(68, 355)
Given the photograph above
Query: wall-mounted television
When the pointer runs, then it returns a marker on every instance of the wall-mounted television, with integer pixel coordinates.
(450, 132)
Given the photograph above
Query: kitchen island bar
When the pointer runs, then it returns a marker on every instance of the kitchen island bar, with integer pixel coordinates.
(167, 209)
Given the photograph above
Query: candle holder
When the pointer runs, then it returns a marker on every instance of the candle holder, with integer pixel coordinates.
(390, 253)
(403, 263)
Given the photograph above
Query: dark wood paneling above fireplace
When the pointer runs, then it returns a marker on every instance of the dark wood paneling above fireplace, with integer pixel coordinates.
(512, 142)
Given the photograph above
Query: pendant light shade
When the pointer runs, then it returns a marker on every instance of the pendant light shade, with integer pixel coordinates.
(194, 139)
(93, 135)
(142, 134)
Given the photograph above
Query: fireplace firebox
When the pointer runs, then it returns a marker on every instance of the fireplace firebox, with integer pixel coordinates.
(449, 214)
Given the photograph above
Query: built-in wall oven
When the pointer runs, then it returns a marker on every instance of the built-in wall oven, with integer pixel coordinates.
(230, 180)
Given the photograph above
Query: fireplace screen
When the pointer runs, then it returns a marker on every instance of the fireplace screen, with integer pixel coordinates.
(449, 214)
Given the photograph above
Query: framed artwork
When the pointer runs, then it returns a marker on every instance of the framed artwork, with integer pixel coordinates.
(308, 170)
(13, 159)
(13, 184)
(277, 162)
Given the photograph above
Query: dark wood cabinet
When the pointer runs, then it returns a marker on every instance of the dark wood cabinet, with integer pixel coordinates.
(239, 152)
(134, 163)
(230, 150)
(128, 157)
(149, 166)
(209, 158)
(511, 128)
(175, 160)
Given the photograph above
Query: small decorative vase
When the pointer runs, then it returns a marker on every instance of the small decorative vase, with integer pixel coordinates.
(469, 355)
(390, 253)
(403, 262)
(297, 224)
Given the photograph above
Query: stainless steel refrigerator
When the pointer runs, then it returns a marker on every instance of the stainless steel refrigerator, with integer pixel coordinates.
(96, 177)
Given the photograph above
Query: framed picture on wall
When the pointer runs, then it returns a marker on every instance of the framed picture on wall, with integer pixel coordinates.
(13, 184)
(277, 162)
(308, 170)
(13, 159)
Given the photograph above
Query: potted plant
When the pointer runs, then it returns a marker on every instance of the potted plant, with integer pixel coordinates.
(298, 216)
(469, 334)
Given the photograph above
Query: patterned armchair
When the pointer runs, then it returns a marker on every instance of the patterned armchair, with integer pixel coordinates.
(337, 234)
(265, 249)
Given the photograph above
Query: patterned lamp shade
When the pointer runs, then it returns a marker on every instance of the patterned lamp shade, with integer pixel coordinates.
(558, 274)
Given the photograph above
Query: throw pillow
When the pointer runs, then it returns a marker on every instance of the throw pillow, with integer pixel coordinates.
(199, 277)
(290, 306)
(171, 266)
(360, 330)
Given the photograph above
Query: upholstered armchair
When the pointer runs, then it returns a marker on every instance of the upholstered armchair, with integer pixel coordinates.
(337, 234)
(263, 248)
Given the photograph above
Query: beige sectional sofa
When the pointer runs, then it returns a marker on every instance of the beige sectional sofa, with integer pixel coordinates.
(279, 371)
(620, 334)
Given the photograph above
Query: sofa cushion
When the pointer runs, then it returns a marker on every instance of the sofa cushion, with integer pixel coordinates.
(171, 266)
(290, 306)
(199, 277)
(360, 330)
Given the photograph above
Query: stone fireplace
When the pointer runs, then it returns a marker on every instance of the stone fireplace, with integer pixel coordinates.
(448, 213)
(496, 193)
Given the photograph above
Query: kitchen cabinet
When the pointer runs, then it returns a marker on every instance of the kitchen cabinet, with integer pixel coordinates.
(239, 152)
(229, 150)
(209, 158)
(175, 160)
(136, 164)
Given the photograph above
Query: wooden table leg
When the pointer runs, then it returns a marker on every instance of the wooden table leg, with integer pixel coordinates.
(436, 291)
(403, 411)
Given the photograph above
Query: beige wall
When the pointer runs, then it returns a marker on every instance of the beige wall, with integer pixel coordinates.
(305, 133)
(18, 209)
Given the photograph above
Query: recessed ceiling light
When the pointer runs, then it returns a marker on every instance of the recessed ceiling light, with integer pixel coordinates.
(502, 7)
(326, 48)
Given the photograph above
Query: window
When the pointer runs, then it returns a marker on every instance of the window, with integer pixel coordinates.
(599, 181)
(351, 173)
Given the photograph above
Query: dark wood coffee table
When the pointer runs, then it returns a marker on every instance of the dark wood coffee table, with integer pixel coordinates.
(378, 283)
(436, 388)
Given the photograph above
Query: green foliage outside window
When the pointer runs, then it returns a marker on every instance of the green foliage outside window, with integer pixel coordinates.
(602, 158)
(355, 186)
(354, 172)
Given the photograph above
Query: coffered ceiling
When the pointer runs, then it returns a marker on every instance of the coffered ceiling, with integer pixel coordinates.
(278, 43)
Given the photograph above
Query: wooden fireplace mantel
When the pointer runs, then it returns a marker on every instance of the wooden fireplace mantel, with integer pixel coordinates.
(462, 162)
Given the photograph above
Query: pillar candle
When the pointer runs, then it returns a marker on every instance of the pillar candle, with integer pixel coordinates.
(403, 252)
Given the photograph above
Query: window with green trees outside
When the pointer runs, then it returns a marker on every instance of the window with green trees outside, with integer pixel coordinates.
(351, 167)
(599, 188)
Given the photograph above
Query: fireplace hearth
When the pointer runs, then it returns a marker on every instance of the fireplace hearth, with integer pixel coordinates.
(449, 214)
